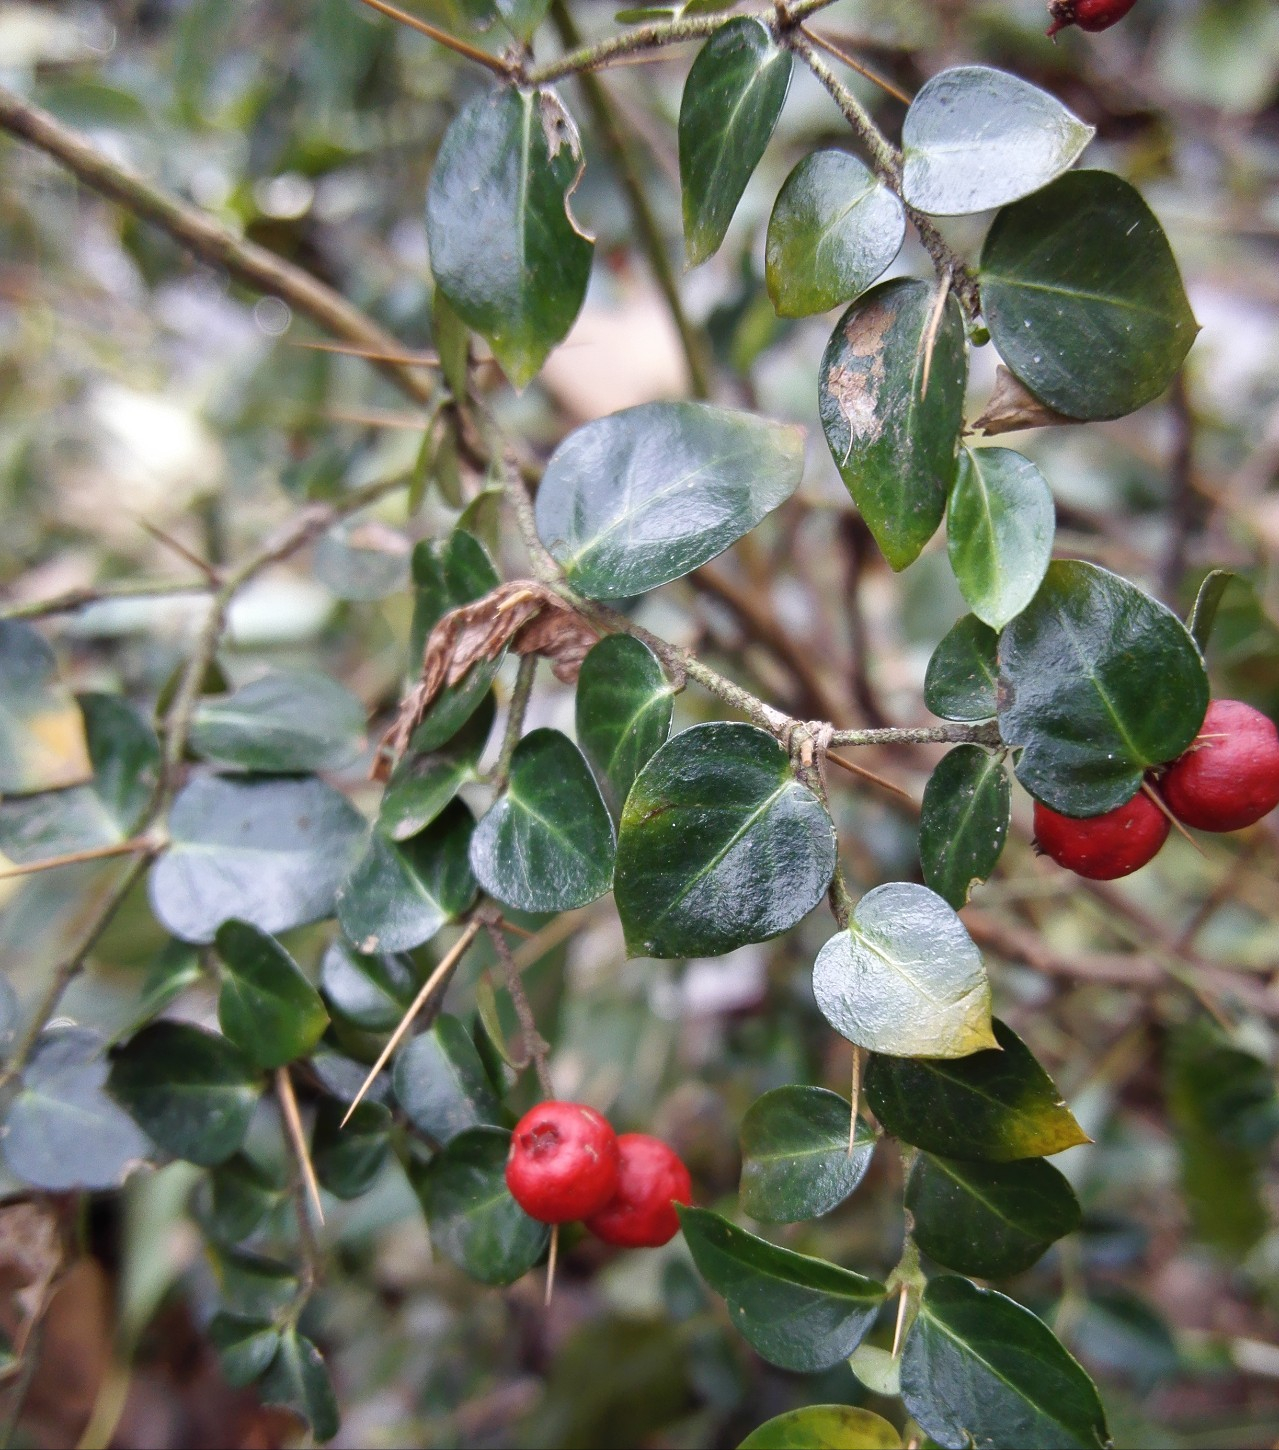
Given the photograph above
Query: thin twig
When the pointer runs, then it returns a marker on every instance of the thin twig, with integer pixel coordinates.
(73, 600)
(900, 1326)
(343, 349)
(551, 1260)
(74, 858)
(856, 1096)
(854, 64)
(297, 1139)
(442, 37)
(534, 1043)
(641, 37)
(860, 770)
(521, 694)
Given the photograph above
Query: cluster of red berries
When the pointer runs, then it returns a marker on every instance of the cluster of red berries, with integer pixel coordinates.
(1087, 14)
(1228, 779)
(566, 1163)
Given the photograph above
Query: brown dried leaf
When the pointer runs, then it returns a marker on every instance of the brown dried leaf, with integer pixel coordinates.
(1012, 406)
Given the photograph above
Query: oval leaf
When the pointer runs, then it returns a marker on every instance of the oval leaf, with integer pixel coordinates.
(245, 1347)
(441, 1084)
(891, 395)
(369, 992)
(546, 844)
(798, 1312)
(42, 744)
(423, 784)
(995, 1106)
(999, 531)
(719, 845)
(824, 1427)
(236, 1199)
(646, 495)
(271, 852)
(286, 722)
(267, 1008)
(978, 1369)
(976, 138)
(962, 682)
(505, 249)
(624, 706)
(797, 1161)
(989, 1219)
(298, 1379)
(1083, 298)
(1098, 682)
(964, 823)
(349, 1156)
(835, 228)
(733, 96)
(905, 978)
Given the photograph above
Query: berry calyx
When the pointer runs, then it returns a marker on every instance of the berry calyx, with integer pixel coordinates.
(1105, 847)
(563, 1162)
(1229, 777)
(1087, 14)
(651, 1180)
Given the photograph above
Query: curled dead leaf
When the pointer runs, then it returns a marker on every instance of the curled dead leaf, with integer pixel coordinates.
(1012, 406)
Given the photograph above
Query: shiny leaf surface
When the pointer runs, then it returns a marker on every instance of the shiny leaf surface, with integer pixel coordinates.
(796, 1159)
(964, 823)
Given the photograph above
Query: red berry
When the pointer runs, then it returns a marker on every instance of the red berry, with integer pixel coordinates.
(1087, 14)
(1229, 777)
(1104, 847)
(563, 1162)
(651, 1181)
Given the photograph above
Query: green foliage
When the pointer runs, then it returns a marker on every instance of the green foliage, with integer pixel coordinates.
(42, 744)
(797, 1160)
(441, 1084)
(283, 722)
(624, 707)
(266, 1008)
(824, 1427)
(962, 682)
(964, 823)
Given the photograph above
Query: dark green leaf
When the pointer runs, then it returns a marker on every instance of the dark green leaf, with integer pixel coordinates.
(62, 1131)
(905, 977)
(798, 1312)
(732, 99)
(505, 249)
(298, 1379)
(797, 1162)
(624, 704)
(287, 721)
(964, 823)
(892, 438)
(999, 530)
(989, 1219)
(995, 1106)
(976, 138)
(399, 895)
(441, 1084)
(245, 1347)
(962, 682)
(1098, 682)
(646, 495)
(452, 341)
(42, 744)
(266, 1008)
(1204, 614)
(546, 844)
(824, 1427)
(235, 1199)
(521, 17)
(979, 1370)
(833, 231)
(423, 785)
(1082, 296)
(191, 1090)
(369, 992)
(349, 1158)
(719, 845)
(271, 852)
(254, 1286)
(344, 1078)
(9, 1016)
(473, 1219)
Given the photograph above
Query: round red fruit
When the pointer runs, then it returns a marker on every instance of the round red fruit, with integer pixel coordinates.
(563, 1162)
(651, 1180)
(1229, 777)
(1104, 847)
(1087, 14)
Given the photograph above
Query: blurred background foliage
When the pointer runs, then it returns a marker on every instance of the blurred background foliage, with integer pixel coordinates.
(149, 406)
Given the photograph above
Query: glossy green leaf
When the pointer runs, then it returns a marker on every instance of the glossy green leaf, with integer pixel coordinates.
(521, 17)
(399, 894)
(266, 1008)
(448, 573)
(348, 1157)
(474, 1221)
(905, 978)
(892, 438)
(999, 531)
(797, 1162)
(253, 1285)
(62, 1132)
(834, 230)
(269, 851)
(624, 705)
(719, 845)
(798, 1312)
(298, 1379)
(288, 721)
(245, 1347)
(42, 743)
(975, 138)
(989, 1219)
(646, 495)
(191, 1091)
(546, 843)
(962, 681)
(236, 1199)
(824, 1427)
(441, 1084)
(423, 785)
(964, 823)
(1083, 298)
(1207, 601)
(505, 249)
(979, 1370)
(996, 1106)
(1098, 682)
(369, 992)
(732, 99)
